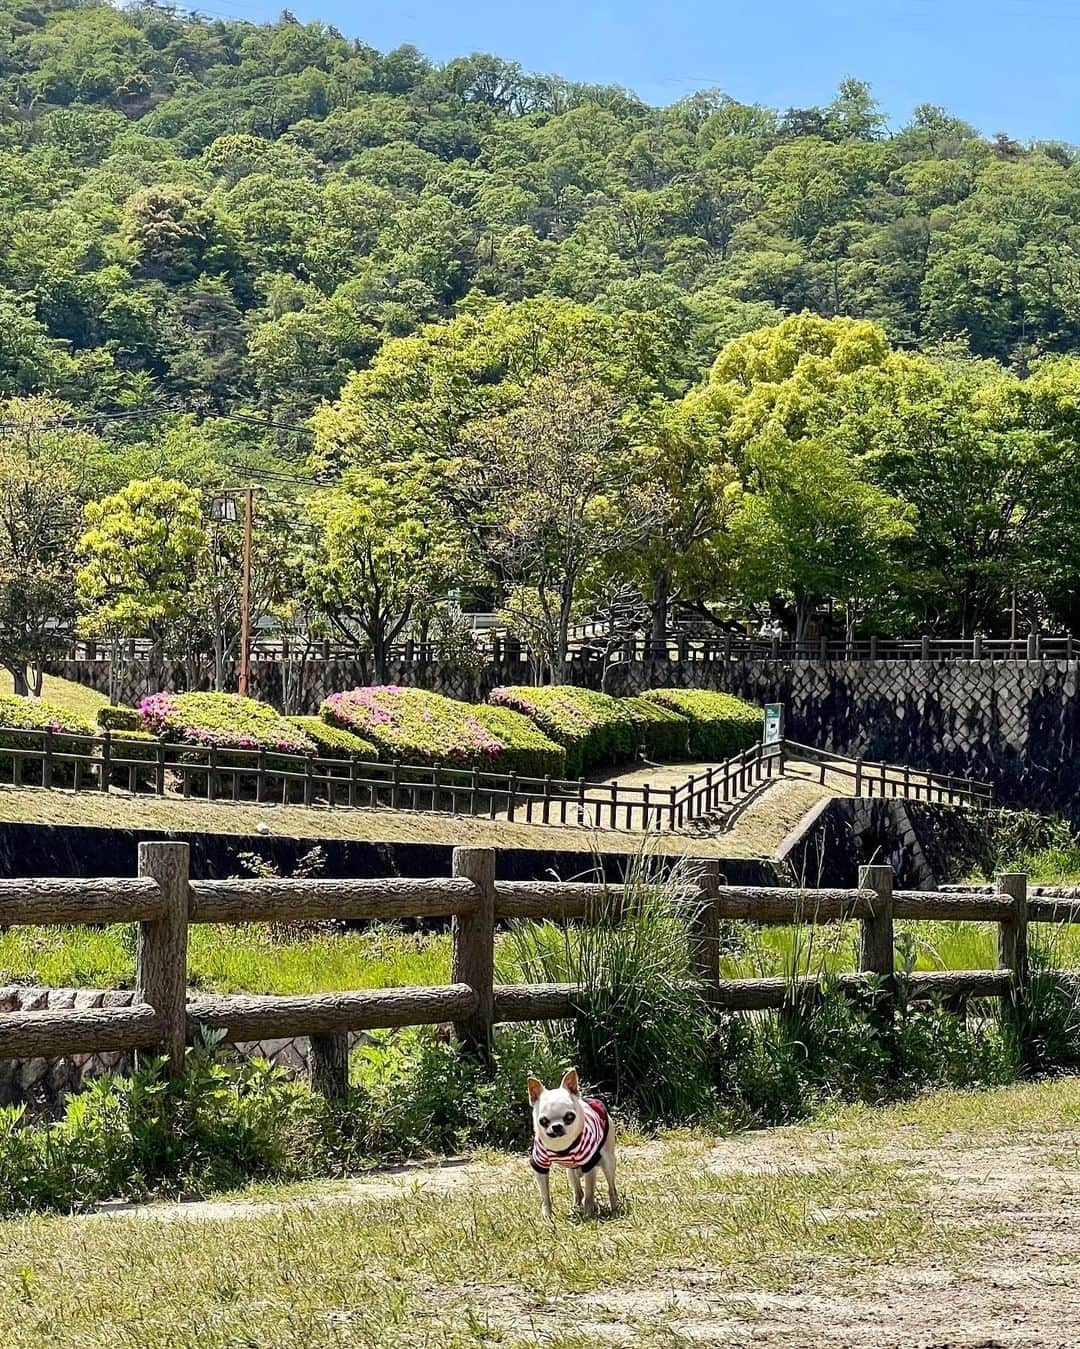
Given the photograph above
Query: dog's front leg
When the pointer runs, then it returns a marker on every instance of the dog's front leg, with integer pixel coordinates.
(543, 1184)
(575, 1185)
(607, 1161)
(590, 1193)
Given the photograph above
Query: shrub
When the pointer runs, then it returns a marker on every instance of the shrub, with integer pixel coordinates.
(425, 728)
(662, 732)
(720, 724)
(35, 714)
(224, 720)
(528, 750)
(332, 742)
(138, 746)
(119, 719)
(595, 729)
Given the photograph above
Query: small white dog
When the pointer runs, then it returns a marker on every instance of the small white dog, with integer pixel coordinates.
(576, 1134)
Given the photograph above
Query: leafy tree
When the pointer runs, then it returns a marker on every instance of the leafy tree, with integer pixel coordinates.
(140, 552)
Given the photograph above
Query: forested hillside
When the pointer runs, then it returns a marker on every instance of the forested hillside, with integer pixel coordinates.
(242, 213)
(786, 359)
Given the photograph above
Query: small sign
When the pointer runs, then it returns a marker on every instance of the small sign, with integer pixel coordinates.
(774, 724)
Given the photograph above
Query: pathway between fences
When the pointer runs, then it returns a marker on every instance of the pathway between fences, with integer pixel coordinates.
(155, 767)
(164, 901)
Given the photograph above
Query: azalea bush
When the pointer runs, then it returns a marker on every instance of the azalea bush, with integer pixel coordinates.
(30, 715)
(425, 728)
(527, 750)
(222, 720)
(119, 719)
(333, 742)
(595, 729)
(720, 724)
(663, 734)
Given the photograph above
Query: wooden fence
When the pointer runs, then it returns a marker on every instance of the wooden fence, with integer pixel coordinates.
(590, 646)
(157, 767)
(163, 901)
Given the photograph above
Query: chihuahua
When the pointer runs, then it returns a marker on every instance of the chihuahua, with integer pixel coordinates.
(576, 1134)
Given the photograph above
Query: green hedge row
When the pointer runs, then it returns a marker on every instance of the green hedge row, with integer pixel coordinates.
(663, 734)
(425, 728)
(720, 724)
(595, 729)
(333, 742)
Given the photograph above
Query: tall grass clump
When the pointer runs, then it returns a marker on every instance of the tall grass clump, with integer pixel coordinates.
(643, 1038)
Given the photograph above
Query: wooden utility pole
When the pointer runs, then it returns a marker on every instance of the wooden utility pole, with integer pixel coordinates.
(245, 596)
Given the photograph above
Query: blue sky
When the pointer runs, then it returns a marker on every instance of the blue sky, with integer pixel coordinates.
(1004, 65)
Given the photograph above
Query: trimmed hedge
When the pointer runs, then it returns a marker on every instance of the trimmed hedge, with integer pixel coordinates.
(224, 720)
(425, 728)
(720, 724)
(596, 729)
(663, 734)
(35, 714)
(332, 742)
(119, 719)
(528, 751)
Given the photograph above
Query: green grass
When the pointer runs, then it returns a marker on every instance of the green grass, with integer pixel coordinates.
(231, 960)
(248, 959)
(64, 693)
(460, 1267)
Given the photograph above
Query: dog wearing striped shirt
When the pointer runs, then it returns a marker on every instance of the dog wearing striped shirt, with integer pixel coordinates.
(575, 1133)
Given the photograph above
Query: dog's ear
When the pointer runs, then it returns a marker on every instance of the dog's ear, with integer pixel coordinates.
(536, 1087)
(570, 1081)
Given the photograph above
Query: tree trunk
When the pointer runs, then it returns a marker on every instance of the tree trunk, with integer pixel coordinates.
(661, 594)
(18, 680)
(804, 607)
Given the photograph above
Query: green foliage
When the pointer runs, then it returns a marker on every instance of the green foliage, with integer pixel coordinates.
(720, 724)
(644, 1039)
(425, 728)
(527, 750)
(596, 730)
(139, 555)
(34, 714)
(333, 742)
(120, 719)
(663, 733)
(222, 719)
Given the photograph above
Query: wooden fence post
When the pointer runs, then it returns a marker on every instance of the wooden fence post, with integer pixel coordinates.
(328, 1064)
(1013, 938)
(106, 756)
(161, 947)
(705, 926)
(876, 937)
(474, 948)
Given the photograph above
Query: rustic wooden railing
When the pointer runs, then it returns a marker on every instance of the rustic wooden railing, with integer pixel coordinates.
(164, 901)
(157, 767)
(591, 644)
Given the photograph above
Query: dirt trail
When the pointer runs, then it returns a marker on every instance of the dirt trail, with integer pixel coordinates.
(1019, 1291)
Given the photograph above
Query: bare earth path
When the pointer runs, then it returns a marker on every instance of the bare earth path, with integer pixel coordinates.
(950, 1222)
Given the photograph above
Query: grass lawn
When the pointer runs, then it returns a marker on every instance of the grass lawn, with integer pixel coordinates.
(64, 693)
(898, 1226)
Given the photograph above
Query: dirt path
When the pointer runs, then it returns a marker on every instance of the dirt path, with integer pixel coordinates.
(1008, 1189)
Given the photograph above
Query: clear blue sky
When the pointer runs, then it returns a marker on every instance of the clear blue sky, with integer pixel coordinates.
(1004, 65)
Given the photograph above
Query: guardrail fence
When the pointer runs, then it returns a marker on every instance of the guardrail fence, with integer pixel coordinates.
(590, 644)
(157, 767)
(164, 902)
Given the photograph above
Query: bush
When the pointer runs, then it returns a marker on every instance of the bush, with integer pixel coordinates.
(596, 729)
(720, 724)
(332, 742)
(35, 714)
(119, 719)
(662, 732)
(140, 746)
(425, 728)
(224, 720)
(528, 751)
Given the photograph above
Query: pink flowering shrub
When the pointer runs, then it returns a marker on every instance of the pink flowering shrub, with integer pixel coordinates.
(595, 729)
(425, 728)
(35, 714)
(223, 720)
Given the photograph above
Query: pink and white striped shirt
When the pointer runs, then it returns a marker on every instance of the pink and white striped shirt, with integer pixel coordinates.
(587, 1148)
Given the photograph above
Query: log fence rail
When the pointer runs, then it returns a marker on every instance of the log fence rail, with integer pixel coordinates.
(164, 900)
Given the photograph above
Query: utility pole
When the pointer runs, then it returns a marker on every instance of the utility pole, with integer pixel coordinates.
(245, 595)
